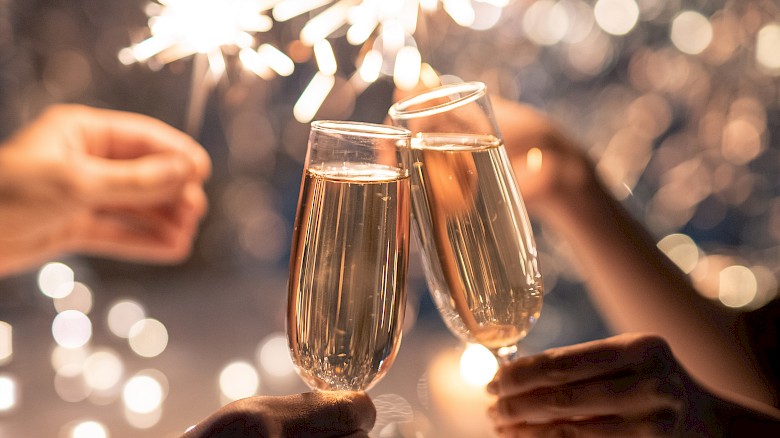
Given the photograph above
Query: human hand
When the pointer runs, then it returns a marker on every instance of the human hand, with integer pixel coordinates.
(99, 182)
(551, 169)
(315, 414)
(626, 385)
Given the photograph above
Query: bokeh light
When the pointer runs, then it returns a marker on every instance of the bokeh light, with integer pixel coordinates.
(71, 359)
(71, 329)
(767, 42)
(6, 342)
(682, 250)
(89, 429)
(123, 315)
(79, 298)
(617, 17)
(8, 393)
(238, 380)
(69, 384)
(546, 22)
(273, 355)
(143, 420)
(477, 365)
(691, 32)
(142, 394)
(103, 370)
(738, 286)
(56, 280)
(148, 337)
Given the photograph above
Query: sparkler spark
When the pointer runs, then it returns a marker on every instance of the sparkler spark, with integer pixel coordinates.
(209, 29)
(385, 29)
(212, 29)
(181, 28)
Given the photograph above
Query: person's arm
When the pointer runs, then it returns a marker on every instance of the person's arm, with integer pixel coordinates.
(99, 182)
(627, 385)
(635, 286)
(326, 414)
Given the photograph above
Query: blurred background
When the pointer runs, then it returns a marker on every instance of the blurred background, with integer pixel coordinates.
(678, 101)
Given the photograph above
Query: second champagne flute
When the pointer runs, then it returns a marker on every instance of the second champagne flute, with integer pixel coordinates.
(479, 253)
(348, 263)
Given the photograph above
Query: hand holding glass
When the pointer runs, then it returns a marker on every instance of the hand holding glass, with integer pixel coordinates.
(348, 263)
(479, 253)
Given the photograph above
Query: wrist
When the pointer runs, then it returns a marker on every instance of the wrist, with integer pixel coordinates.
(584, 200)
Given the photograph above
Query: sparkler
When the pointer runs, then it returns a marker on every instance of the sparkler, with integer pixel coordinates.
(212, 29)
(209, 30)
(384, 29)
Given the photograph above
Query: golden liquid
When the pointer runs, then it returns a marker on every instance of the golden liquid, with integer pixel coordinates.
(479, 253)
(347, 289)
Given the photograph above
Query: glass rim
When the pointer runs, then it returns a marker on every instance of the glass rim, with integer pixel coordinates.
(360, 129)
(474, 90)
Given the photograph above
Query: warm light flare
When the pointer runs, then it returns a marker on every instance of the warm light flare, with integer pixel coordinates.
(477, 365)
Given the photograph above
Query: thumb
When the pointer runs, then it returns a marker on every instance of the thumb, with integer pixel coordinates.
(147, 180)
(326, 413)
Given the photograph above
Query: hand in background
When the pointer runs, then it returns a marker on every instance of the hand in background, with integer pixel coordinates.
(627, 385)
(99, 182)
(315, 414)
(551, 169)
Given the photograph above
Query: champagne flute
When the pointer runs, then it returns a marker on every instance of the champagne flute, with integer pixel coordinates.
(348, 263)
(478, 248)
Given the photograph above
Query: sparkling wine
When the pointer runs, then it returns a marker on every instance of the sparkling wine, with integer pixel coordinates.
(347, 289)
(479, 253)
